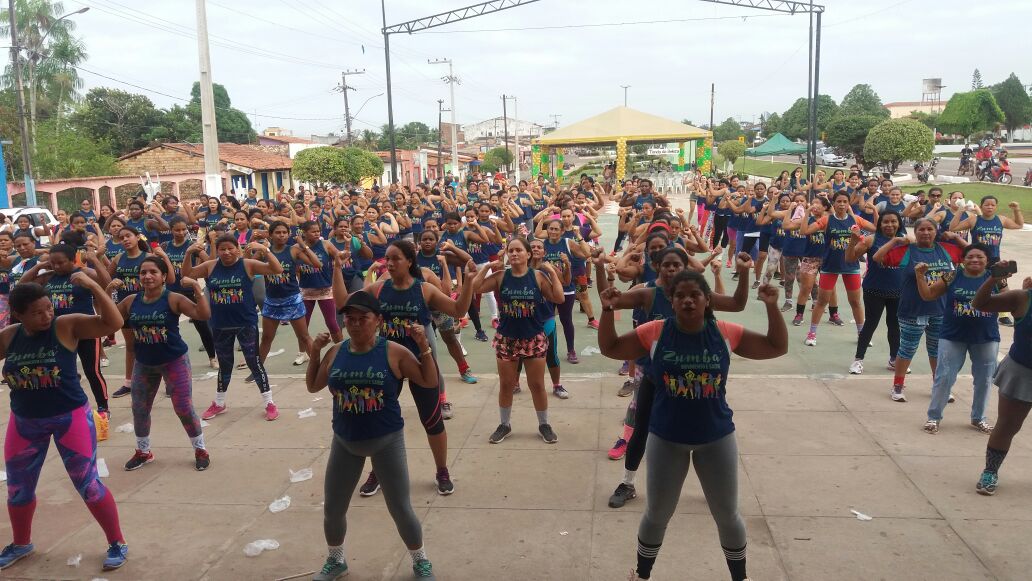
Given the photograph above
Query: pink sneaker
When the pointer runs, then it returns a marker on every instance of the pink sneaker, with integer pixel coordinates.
(213, 410)
(593, 324)
(271, 412)
(618, 450)
(494, 323)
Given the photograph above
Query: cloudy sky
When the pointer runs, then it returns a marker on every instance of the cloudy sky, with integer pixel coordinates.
(281, 59)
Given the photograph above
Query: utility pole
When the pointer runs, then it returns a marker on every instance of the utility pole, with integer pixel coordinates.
(625, 87)
(209, 131)
(440, 163)
(390, 98)
(505, 127)
(555, 120)
(344, 88)
(712, 99)
(30, 185)
(452, 80)
(515, 132)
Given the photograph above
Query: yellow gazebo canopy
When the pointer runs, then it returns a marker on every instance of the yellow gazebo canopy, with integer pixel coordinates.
(622, 124)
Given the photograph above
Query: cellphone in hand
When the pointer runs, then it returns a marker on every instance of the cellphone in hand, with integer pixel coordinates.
(1000, 270)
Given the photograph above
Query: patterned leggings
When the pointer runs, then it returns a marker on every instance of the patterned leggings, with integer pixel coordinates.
(790, 274)
(147, 378)
(910, 331)
(248, 338)
(25, 450)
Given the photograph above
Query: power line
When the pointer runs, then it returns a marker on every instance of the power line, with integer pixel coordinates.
(282, 25)
(602, 24)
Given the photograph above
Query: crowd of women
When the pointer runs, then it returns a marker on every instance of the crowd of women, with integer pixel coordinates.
(394, 270)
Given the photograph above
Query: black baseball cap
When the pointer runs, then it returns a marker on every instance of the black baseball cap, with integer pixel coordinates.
(362, 301)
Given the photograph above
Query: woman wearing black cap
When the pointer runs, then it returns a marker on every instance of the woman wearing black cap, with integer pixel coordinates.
(364, 374)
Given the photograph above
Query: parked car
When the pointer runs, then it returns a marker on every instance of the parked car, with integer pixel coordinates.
(827, 156)
(39, 216)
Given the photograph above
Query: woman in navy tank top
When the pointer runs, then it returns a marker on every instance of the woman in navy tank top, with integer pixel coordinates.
(161, 354)
(47, 402)
(283, 303)
(1013, 375)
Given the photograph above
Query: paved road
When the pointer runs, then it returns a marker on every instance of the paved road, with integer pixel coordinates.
(947, 166)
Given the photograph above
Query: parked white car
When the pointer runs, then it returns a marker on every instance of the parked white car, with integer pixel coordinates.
(827, 156)
(38, 215)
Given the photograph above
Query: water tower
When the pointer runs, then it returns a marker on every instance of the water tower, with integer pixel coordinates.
(931, 94)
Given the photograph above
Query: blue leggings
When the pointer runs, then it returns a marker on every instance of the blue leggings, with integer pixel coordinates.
(566, 318)
(910, 331)
(248, 338)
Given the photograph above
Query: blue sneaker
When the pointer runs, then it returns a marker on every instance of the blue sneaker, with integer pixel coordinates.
(468, 377)
(481, 336)
(13, 553)
(423, 569)
(117, 555)
(331, 570)
(986, 486)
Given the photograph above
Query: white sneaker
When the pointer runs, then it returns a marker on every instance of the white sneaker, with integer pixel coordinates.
(897, 394)
(104, 362)
(301, 359)
(811, 339)
(857, 368)
(447, 412)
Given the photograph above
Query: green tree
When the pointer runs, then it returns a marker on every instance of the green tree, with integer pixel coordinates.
(50, 56)
(368, 139)
(929, 120)
(177, 125)
(411, 135)
(862, 100)
(232, 124)
(335, 165)
(64, 152)
(894, 141)
(731, 150)
(976, 80)
(849, 132)
(1015, 103)
(770, 124)
(124, 120)
(496, 158)
(971, 112)
(794, 121)
(729, 129)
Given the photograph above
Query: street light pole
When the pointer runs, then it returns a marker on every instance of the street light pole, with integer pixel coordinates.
(451, 79)
(390, 96)
(209, 129)
(625, 87)
(30, 185)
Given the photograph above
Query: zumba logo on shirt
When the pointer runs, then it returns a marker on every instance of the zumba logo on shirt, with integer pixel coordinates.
(358, 400)
(279, 279)
(34, 370)
(151, 334)
(703, 379)
(817, 238)
(305, 268)
(518, 303)
(989, 238)
(226, 291)
(396, 328)
(961, 306)
(839, 243)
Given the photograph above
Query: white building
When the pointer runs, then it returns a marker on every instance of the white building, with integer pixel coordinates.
(494, 129)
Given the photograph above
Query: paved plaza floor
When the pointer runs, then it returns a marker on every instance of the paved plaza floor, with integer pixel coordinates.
(815, 445)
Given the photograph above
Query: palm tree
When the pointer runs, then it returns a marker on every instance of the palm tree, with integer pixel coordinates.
(50, 57)
(368, 139)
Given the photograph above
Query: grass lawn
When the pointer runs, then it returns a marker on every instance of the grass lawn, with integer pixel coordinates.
(975, 191)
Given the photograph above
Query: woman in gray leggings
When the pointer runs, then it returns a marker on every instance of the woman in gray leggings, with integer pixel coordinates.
(690, 419)
(364, 375)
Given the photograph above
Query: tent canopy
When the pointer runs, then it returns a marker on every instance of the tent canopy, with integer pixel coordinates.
(776, 145)
(623, 123)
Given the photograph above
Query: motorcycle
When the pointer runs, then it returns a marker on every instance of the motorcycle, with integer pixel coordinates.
(923, 173)
(999, 172)
(1028, 177)
(966, 165)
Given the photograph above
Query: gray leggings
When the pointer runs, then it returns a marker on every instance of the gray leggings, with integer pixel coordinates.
(667, 464)
(347, 460)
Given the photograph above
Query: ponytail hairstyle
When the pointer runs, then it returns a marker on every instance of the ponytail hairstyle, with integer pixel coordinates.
(408, 249)
(141, 241)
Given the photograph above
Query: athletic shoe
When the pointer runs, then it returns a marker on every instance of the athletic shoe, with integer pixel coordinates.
(932, 426)
(444, 483)
(332, 570)
(623, 493)
(572, 357)
(446, 410)
(13, 553)
(422, 569)
(494, 322)
(213, 410)
(500, 434)
(468, 377)
(625, 368)
(301, 359)
(104, 362)
(951, 399)
(463, 322)
(892, 366)
(788, 306)
(797, 320)
(547, 434)
(593, 324)
(857, 368)
(897, 394)
(108, 342)
(213, 363)
(138, 460)
(517, 389)
(271, 412)
(618, 450)
(201, 460)
(122, 391)
(481, 336)
(560, 392)
(627, 388)
(755, 284)
(371, 486)
(982, 426)
(1007, 321)
(811, 339)
(117, 555)
(836, 320)
(986, 486)
(249, 378)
